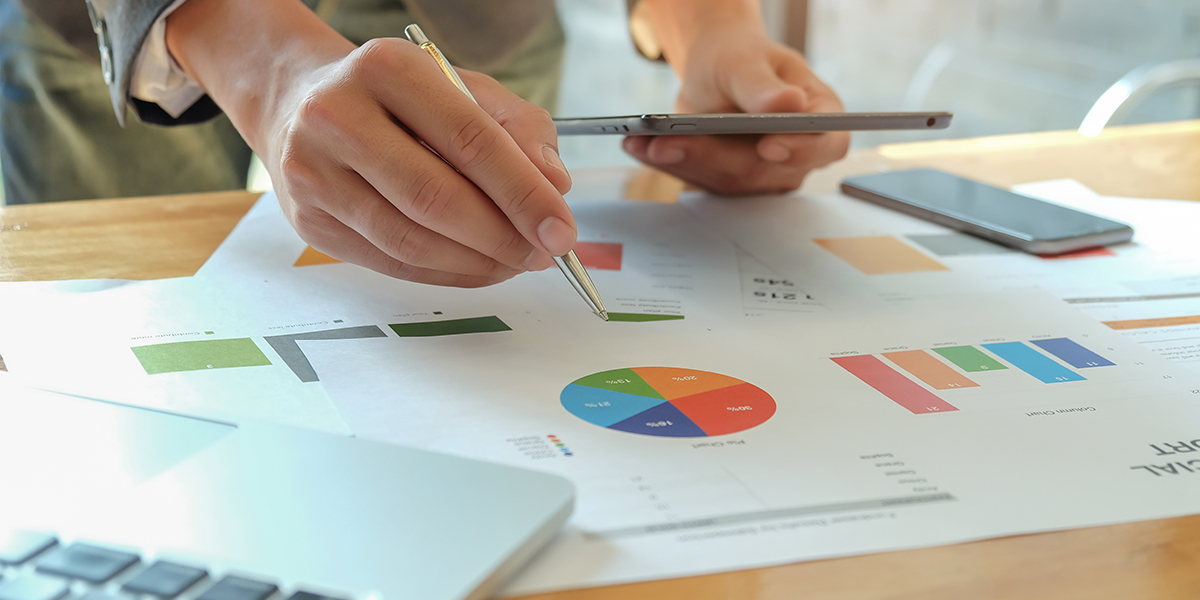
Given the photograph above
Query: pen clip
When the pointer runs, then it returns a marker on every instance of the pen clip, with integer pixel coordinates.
(415, 35)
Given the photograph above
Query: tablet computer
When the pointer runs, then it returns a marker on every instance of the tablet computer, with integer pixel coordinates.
(758, 123)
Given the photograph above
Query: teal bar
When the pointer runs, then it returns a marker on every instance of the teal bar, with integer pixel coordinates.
(1033, 362)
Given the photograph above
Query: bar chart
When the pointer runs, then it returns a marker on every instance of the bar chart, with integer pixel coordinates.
(925, 380)
(199, 355)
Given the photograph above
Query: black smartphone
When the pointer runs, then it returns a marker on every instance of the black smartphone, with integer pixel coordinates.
(757, 123)
(1023, 222)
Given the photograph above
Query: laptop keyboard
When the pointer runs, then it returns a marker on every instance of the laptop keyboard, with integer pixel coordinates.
(34, 566)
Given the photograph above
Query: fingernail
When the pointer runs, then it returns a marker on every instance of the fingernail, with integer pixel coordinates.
(550, 155)
(556, 236)
(671, 156)
(552, 160)
(776, 153)
(537, 261)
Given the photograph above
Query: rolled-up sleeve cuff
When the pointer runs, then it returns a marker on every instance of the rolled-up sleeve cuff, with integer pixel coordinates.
(162, 92)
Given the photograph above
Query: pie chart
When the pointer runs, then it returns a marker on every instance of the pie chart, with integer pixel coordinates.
(668, 401)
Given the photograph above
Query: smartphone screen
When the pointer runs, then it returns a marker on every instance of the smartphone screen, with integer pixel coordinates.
(1021, 221)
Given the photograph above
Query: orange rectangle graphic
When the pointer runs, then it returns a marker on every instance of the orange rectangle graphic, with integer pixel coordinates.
(312, 257)
(935, 373)
(880, 255)
(1149, 323)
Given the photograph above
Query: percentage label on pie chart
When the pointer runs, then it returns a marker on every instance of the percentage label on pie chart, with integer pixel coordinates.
(668, 401)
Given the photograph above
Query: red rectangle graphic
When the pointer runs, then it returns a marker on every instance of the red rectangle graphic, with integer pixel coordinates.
(599, 255)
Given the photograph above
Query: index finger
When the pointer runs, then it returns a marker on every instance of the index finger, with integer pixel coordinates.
(479, 148)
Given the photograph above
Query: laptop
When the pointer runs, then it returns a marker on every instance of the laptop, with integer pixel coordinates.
(102, 501)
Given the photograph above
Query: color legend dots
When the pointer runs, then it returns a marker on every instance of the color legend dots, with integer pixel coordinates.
(668, 401)
(560, 445)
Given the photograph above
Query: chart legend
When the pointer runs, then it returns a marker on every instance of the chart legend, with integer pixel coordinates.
(668, 401)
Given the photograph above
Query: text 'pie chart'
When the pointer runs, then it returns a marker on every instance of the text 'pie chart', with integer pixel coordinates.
(668, 401)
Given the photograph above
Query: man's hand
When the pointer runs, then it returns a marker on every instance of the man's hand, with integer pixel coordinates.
(727, 63)
(341, 128)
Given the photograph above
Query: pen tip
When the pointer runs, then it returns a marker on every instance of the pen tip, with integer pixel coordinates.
(603, 314)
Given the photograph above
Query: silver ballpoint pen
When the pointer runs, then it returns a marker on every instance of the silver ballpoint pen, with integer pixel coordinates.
(569, 263)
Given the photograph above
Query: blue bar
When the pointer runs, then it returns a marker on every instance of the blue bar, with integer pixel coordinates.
(1073, 354)
(1033, 362)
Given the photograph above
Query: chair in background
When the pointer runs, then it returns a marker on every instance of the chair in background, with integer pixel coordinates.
(1137, 85)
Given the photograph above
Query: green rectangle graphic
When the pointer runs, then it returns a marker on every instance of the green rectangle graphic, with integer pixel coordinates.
(641, 318)
(199, 355)
(450, 327)
(970, 359)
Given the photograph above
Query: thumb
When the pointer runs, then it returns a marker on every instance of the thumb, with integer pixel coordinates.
(759, 89)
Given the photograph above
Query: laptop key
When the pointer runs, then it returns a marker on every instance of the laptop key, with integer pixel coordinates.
(87, 562)
(33, 587)
(164, 579)
(302, 595)
(101, 594)
(238, 588)
(16, 547)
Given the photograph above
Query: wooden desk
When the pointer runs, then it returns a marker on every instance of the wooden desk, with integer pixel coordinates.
(148, 238)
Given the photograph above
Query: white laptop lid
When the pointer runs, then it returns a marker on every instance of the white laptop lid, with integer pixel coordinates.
(301, 509)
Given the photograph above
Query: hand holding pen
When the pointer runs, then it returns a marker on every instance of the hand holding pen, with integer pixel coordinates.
(338, 127)
(567, 263)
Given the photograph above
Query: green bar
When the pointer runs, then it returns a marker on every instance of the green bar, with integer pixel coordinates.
(451, 327)
(640, 318)
(199, 355)
(970, 359)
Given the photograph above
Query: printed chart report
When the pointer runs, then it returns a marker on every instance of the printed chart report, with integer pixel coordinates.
(704, 447)
(841, 381)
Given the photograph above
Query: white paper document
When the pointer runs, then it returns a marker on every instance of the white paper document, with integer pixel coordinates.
(848, 252)
(698, 448)
(224, 343)
(788, 378)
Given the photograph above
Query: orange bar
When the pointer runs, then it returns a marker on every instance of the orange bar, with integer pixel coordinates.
(932, 371)
(1148, 323)
(880, 255)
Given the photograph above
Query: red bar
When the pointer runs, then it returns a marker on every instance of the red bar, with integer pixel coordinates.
(892, 384)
